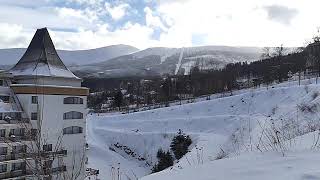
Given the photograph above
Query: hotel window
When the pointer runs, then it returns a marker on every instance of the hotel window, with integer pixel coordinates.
(3, 168)
(1, 82)
(34, 99)
(2, 133)
(34, 116)
(47, 147)
(18, 166)
(17, 132)
(3, 150)
(72, 130)
(19, 149)
(73, 115)
(72, 100)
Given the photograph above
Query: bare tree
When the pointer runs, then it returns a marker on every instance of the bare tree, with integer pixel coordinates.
(266, 53)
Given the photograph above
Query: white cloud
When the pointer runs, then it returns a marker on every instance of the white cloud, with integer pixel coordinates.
(131, 34)
(281, 14)
(153, 21)
(237, 23)
(227, 22)
(118, 11)
(14, 36)
(52, 17)
(86, 2)
(70, 14)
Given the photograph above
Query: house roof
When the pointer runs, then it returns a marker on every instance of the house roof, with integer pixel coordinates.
(41, 59)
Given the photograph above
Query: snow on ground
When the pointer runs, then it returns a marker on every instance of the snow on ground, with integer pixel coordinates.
(250, 166)
(178, 65)
(240, 125)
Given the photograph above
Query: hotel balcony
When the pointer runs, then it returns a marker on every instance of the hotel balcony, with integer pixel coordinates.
(12, 118)
(30, 173)
(23, 155)
(14, 138)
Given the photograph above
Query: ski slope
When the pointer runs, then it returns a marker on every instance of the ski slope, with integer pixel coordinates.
(236, 124)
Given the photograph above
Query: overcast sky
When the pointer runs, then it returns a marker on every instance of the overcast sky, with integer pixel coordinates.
(83, 24)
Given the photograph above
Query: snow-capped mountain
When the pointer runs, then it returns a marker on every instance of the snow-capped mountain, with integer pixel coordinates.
(70, 58)
(124, 60)
(161, 60)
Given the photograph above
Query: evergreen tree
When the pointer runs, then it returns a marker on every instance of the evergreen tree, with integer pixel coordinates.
(180, 144)
(165, 161)
(118, 99)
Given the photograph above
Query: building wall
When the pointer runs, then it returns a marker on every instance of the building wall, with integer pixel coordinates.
(51, 109)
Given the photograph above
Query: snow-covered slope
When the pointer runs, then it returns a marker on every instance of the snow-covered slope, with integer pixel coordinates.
(240, 125)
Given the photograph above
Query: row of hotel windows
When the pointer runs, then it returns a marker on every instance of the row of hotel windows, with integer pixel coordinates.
(67, 115)
(15, 149)
(14, 167)
(67, 100)
(15, 132)
(34, 100)
(21, 131)
(22, 149)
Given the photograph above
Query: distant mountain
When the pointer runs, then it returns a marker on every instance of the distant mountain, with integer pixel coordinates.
(161, 60)
(124, 61)
(71, 58)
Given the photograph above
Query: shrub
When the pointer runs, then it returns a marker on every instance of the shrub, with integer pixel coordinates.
(221, 155)
(307, 108)
(180, 144)
(165, 161)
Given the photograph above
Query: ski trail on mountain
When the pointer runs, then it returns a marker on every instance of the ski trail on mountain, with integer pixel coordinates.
(179, 62)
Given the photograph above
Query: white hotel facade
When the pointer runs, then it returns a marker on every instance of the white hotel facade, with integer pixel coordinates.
(42, 116)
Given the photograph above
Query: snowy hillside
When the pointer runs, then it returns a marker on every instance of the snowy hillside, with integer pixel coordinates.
(161, 60)
(260, 134)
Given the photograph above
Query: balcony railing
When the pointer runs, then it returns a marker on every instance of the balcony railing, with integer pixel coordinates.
(17, 156)
(14, 174)
(13, 117)
(23, 173)
(17, 120)
(54, 170)
(23, 155)
(16, 138)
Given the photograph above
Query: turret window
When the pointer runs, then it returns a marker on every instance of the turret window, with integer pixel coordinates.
(34, 116)
(72, 130)
(72, 100)
(34, 99)
(73, 115)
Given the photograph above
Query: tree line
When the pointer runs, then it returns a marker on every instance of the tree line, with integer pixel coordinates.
(275, 65)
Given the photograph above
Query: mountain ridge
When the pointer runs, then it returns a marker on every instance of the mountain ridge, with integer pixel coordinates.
(163, 60)
(11, 56)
